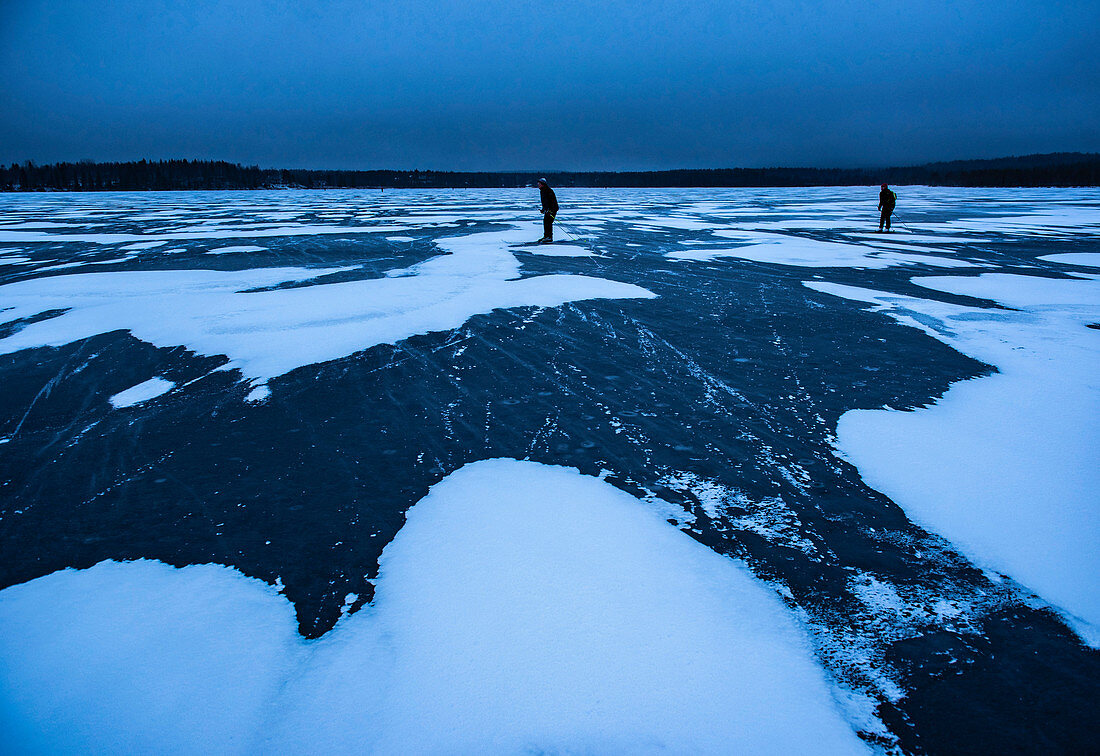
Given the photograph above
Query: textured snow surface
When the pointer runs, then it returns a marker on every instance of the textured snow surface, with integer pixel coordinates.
(522, 608)
(1008, 466)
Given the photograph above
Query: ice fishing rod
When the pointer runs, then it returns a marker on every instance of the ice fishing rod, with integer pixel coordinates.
(902, 224)
(572, 234)
(562, 226)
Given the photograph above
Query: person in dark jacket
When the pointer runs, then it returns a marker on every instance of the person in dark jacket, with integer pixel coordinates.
(886, 201)
(549, 210)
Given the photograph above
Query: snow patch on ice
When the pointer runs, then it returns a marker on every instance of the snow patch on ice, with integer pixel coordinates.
(674, 222)
(258, 394)
(785, 249)
(559, 250)
(269, 333)
(1007, 467)
(522, 608)
(804, 224)
(713, 498)
(880, 597)
(36, 224)
(730, 509)
(228, 250)
(1084, 259)
(143, 392)
(1049, 221)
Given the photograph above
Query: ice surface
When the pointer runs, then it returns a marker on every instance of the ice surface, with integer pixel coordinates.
(522, 608)
(269, 333)
(200, 232)
(143, 392)
(715, 403)
(1008, 466)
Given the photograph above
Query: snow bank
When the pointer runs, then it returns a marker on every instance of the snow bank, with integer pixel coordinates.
(143, 392)
(269, 333)
(522, 608)
(1008, 466)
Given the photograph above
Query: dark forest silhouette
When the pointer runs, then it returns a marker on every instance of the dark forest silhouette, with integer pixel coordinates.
(1056, 169)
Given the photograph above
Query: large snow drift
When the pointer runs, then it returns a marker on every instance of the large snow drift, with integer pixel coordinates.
(522, 608)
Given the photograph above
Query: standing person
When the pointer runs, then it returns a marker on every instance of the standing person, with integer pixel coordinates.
(549, 210)
(886, 201)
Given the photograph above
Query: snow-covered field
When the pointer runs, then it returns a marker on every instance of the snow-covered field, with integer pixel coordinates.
(721, 470)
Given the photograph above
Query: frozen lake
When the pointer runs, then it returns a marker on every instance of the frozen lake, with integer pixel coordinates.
(779, 476)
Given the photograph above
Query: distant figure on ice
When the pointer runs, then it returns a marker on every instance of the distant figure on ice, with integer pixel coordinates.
(886, 201)
(549, 210)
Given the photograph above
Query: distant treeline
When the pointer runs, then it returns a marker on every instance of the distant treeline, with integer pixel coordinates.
(1056, 169)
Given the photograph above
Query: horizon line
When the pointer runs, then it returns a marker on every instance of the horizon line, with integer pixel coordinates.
(1087, 155)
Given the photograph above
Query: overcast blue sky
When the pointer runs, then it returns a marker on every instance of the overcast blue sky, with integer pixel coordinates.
(557, 84)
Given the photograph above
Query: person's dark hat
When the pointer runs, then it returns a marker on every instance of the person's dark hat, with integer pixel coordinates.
(884, 186)
(543, 181)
